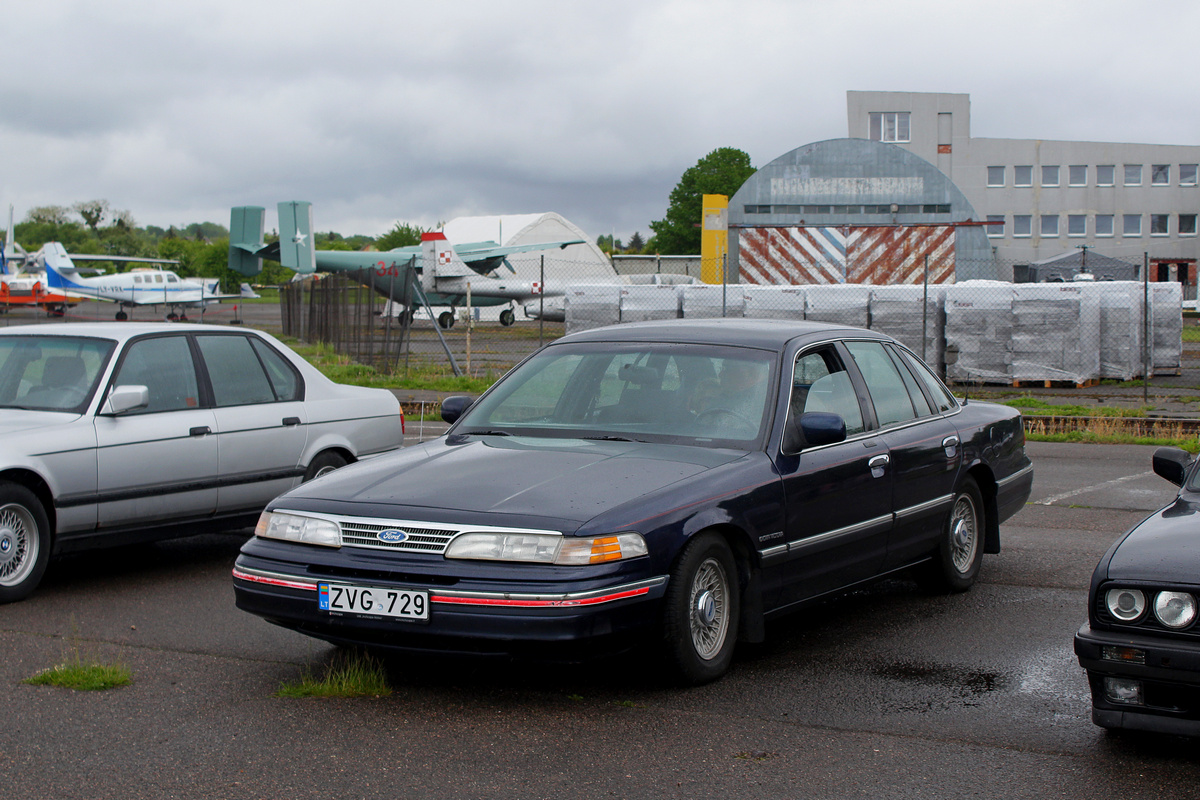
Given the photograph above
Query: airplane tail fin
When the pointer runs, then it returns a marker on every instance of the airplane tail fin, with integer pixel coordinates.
(246, 239)
(60, 269)
(296, 249)
(248, 292)
(440, 261)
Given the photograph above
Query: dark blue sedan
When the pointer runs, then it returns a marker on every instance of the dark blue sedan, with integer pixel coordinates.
(680, 481)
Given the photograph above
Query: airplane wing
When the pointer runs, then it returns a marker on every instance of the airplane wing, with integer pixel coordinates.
(122, 259)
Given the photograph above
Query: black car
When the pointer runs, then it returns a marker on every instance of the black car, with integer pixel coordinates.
(682, 480)
(1141, 643)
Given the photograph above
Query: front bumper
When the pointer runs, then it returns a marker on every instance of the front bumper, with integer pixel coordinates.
(1168, 680)
(467, 617)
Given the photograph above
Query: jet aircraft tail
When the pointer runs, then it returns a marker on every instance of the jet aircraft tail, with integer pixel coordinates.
(246, 239)
(440, 261)
(296, 250)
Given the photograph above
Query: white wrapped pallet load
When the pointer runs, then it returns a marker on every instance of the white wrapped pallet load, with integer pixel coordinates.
(640, 303)
(1056, 332)
(774, 302)
(900, 311)
(705, 300)
(592, 306)
(841, 303)
(1166, 307)
(979, 326)
(1121, 324)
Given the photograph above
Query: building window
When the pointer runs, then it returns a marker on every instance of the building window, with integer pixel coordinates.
(1160, 174)
(1133, 225)
(1187, 174)
(1023, 225)
(890, 126)
(1077, 174)
(1023, 176)
(1049, 223)
(1104, 224)
(1077, 225)
(1133, 174)
(1187, 224)
(1159, 224)
(1106, 175)
(995, 176)
(1050, 176)
(997, 229)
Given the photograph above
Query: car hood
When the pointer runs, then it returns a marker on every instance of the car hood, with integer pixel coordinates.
(566, 479)
(15, 420)
(1164, 547)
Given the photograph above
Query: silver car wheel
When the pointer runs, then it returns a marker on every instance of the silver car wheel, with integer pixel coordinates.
(964, 533)
(19, 544)
(709, 609)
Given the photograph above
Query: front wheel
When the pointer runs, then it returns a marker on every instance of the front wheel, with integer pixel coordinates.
(956, 564)
(507, 317)
(24, 542)
(446, 320)
(700, 626)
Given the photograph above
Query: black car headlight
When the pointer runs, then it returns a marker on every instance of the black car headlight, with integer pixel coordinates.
(546, 548)
(1126, 605)
(1175, 609)
(297, 528)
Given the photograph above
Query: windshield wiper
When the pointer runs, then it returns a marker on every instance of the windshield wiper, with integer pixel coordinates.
(609, 438)
(485, 433)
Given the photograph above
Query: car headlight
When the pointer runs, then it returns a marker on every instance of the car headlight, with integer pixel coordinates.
(1175, 609)
(546, 548)
(296, 528)
(1125, 604)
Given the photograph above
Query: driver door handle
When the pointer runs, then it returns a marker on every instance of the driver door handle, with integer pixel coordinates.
(200, 430)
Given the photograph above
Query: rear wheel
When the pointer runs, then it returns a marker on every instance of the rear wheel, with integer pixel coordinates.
(24, 542)
(702, 607)
(323, 464)
(960, 550)
(507, 317)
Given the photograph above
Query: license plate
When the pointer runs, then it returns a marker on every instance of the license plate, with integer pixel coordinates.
(374, 601)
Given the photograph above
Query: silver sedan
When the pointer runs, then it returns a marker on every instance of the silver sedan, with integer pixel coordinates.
(112, 433)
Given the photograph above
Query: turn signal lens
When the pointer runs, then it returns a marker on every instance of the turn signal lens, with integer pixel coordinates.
(1175, 609)
(295, 528)
(1125, 604)
(602, 549)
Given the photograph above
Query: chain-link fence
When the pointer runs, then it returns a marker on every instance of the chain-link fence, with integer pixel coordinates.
(1073, 327)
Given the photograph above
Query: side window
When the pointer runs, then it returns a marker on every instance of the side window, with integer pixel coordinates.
(941, 395)
(163, 365)
(820, 383)
(283, 376)
(886, 387)
(234, 370)
(910, 383)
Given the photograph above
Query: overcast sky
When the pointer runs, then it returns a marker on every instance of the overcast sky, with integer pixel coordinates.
(386, 110)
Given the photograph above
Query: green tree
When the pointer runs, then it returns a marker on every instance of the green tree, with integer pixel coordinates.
(636, 243)
(92, 212)
(723, 171)
(402, 234)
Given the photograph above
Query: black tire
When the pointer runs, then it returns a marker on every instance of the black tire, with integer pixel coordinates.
(507, 317)
(700, 626)
(24, 542)
(446, 320)
(955, 566)
(122, 316)
(323, 464)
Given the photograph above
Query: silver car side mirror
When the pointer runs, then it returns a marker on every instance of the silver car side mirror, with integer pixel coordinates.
(123, 399)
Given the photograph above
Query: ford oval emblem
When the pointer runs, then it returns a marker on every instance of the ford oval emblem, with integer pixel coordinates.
(392, 537)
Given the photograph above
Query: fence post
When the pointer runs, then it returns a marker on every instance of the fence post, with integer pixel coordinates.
(1147, 348)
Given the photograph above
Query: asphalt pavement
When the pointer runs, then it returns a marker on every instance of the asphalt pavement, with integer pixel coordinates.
(885, 692)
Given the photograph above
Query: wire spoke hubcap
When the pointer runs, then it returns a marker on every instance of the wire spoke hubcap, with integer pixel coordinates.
(964, 533)
(709, 609)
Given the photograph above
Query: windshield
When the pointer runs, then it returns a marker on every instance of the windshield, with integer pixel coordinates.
(683, 394)
(50, 373)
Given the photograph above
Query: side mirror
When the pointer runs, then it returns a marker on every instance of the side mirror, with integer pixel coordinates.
(1172, 463)
(454, 407)
(820, 427)
(123, 399)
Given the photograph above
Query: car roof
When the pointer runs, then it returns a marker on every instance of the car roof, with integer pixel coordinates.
(118, 331)
(770, 334)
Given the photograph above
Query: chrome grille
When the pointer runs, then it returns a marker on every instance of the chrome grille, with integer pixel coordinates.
(420, 540)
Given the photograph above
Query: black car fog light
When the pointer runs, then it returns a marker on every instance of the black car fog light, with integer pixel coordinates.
(1123, 690)
(1126, 655)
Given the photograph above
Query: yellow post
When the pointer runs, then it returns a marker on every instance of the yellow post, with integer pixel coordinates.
(714, 238)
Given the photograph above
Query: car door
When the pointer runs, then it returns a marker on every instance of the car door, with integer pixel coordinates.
(260, 419)
(838, 496)
(923, 449)
(158, 463)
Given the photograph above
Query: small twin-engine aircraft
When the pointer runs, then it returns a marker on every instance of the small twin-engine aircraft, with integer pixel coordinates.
(443, 278)
(143, 287)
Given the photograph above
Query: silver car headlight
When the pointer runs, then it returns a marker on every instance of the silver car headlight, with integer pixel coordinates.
(1125, 604)
(1175, 609)
(297, 528)
(546, 548)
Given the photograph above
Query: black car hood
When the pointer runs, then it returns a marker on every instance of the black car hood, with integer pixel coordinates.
(567, 479)
(1164, 547)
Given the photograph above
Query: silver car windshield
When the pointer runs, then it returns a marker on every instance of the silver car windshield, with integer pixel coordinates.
(51, 373)
(684, 394)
